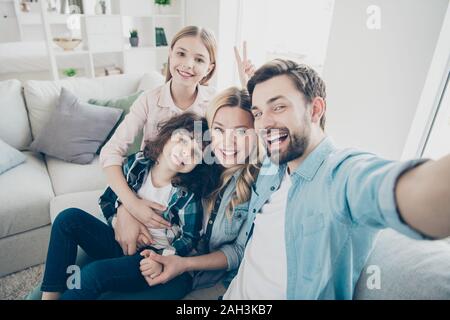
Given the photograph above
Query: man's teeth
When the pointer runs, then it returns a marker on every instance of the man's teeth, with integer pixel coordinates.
(274, 138)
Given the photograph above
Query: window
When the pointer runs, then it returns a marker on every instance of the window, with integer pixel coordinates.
(437, 143)
(290, 29)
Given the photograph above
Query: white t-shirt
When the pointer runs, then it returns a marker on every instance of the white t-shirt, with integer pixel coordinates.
(162, 237)
(262, 273)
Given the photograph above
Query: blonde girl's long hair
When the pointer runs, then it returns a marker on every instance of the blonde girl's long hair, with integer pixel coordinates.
(208, 40)
(238, 98)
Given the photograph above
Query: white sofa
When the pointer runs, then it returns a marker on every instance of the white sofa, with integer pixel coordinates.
(33, 193)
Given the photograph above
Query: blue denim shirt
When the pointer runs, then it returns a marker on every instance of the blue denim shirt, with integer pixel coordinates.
(338, 201)
(228, 236)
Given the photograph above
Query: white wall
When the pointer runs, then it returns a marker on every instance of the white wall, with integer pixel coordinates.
(221, 17)
(204, 13)
(375, 77)
(227, 38)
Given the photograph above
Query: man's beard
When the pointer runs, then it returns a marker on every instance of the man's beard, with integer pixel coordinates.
(298, 143)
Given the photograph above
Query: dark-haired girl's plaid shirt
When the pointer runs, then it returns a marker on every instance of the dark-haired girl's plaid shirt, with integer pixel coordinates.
(184, 208)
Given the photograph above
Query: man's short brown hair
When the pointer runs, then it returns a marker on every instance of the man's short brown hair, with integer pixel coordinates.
(305, 79)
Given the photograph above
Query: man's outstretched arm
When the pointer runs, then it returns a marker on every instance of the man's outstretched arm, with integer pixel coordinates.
(423, 197)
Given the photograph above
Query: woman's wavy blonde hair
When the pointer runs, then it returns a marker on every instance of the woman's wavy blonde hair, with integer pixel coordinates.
(238, 98)
(208, 40)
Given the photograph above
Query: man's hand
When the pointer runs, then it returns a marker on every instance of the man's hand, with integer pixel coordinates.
(245, 67)
(127, 230)
(423, 197)
(173, 266)
(149, 213)
(149, 268)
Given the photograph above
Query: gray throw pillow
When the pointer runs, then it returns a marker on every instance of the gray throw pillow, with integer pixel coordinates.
(76, 129)
(9, 157)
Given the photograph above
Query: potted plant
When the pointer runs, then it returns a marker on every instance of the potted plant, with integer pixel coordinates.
(70, 72)
(134, 38)
(163, 6)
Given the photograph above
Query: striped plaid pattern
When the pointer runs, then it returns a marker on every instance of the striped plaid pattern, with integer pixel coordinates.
(184, 209)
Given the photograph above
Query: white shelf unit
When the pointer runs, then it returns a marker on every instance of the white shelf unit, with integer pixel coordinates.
(108, 34)
(9, 20)
(145, 17)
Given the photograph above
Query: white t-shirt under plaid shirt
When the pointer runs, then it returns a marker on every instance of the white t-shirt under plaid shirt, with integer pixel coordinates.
(162, 237)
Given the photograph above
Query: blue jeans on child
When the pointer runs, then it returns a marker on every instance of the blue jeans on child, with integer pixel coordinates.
(111, 270)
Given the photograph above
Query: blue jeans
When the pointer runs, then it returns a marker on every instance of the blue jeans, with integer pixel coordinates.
(111, 270)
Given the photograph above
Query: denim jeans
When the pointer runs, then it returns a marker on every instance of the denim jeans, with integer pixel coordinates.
(111, 270)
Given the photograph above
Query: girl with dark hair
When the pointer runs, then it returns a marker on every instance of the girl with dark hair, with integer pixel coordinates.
(168, 172)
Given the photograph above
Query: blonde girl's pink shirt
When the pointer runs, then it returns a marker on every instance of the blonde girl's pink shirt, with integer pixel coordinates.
(146, 112)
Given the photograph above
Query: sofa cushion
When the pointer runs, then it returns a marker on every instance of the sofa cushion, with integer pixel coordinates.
(87, 201)
(42, 96)
(24, 250)
(408, 269)
(71, 177)
(25, 197)
(75, 130)
(9, 157)
(14, 125)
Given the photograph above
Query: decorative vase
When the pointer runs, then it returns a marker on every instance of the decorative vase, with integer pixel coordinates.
(65, 7)
(134, 41)
(98, 8)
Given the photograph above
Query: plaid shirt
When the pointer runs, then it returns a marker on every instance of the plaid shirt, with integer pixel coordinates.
(184, 208)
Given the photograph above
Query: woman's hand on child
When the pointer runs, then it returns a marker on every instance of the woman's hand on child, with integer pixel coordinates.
(127, 230)
(245, 67)
(149, 214)
(149, 267)
(173, 266)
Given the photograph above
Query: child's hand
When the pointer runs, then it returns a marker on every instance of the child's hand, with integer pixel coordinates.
(149, 268)
(245, 67)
